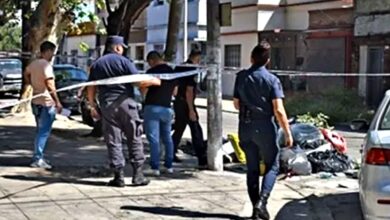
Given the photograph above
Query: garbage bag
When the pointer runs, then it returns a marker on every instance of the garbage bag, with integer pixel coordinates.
(305, 136)
(295, 160)
(329, 161)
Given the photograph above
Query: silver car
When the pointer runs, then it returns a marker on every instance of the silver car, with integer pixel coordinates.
(374, 179)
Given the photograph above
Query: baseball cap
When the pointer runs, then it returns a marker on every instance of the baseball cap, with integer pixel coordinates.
(114, 40)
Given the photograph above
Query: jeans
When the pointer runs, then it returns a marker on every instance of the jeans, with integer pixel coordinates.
(44, 117)
(157, 122)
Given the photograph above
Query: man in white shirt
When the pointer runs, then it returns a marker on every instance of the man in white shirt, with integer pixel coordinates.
(39, 74)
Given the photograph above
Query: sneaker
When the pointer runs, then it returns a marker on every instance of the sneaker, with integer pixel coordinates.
(170, 170)
(156, 172)
(41, 164)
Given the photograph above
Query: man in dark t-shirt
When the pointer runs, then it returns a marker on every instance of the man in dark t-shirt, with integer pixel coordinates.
(158, 114)
(119, 112)
(185, 112)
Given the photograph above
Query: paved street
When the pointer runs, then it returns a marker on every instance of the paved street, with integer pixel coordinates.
(75, 188)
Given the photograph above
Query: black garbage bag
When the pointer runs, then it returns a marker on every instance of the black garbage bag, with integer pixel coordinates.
(305, 136)
(329, 161)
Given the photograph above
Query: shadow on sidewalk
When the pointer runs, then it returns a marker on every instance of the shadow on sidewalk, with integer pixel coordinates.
(334, 207)
(179, 212)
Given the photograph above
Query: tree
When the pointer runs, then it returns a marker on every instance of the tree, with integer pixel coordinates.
(10, 37)
(175, 14)
(122, 14)
(48, 21)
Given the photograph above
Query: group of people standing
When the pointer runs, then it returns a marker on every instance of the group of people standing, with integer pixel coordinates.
(119, 112)
(258, 95)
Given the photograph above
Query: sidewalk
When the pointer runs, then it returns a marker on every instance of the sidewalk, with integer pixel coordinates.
(75, 188)
(227, 105)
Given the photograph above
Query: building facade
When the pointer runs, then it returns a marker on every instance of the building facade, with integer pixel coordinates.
(157, 27)
(306, 35)
(372, 34)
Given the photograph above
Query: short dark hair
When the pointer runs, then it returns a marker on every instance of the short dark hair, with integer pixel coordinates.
(154, 55)
(47, 45)
(261, 53)
(195, 52)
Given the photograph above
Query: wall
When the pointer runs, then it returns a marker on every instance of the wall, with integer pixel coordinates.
(363, 69)
(73, 43)
(247, 42)
(362, 6)
(372, 25)
(329, 60)
(297, 17)
(243, 19)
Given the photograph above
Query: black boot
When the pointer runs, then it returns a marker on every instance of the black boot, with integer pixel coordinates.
(261, 207)
(255, 214)
(138, 177)
(119, 179)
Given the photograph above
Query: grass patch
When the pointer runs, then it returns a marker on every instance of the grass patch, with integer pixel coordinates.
(339, 105)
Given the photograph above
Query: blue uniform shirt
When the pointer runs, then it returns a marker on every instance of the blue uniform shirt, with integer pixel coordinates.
(256, 88)
(112, 65)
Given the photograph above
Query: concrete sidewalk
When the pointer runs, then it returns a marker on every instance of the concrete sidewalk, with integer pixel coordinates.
(75, 188)
(227, 104)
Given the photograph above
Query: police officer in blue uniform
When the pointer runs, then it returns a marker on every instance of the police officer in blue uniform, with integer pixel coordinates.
(258, 95)
(119, 112)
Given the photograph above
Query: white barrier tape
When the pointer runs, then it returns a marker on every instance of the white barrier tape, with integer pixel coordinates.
(112, 81)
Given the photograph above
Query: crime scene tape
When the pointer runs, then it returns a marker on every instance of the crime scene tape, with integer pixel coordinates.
(112, 81)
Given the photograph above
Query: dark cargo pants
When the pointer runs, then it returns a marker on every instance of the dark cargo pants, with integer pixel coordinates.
(181, 121)
(258, 140)
(122, 117)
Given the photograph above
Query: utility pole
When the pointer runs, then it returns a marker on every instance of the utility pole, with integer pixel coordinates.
(214, 87)
(185, 31)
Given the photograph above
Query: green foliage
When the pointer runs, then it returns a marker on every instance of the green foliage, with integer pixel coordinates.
(100, 4)
(338, 104)
(10, 37)
(320, 120)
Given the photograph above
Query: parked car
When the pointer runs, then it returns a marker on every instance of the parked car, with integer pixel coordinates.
(374, 179)
(10, 76)
(67, 75)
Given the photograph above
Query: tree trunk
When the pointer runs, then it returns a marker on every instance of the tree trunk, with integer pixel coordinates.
(175, 14)
(214, 85)
(120, 20)
(46, 23)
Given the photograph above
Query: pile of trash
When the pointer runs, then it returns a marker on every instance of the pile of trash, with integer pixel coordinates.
(315, 150)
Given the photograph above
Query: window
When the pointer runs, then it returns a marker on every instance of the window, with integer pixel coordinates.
(139, 56)
(226, 14)
(159, 2)
(70, 74)
(232, 55)
(159, 48)
(385, 123)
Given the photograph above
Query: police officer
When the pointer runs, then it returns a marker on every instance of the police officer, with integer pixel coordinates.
(258, 95)
(119, 111)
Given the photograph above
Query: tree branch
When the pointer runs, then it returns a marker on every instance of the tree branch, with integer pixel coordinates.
(108, 7)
